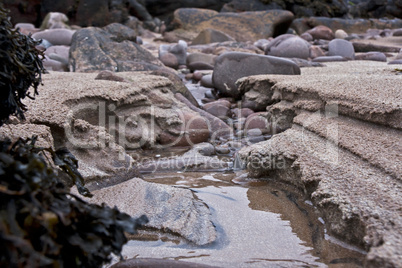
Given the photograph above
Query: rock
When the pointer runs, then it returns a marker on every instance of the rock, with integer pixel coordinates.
(329, 59)
(24, 131)
(306, 63)
(55, 20)
(397, 32)
(194, 130)
(321, 32)
(316, 51)
(206, 81)
(179, 86)
(288, 46)
(54, 65)
(239, 113)
(110, 76)
(229, 67)
(395, 62)
(26, 28)
(167, 208)
(219, 108)
(109, 48)
(256, 120)
(217, 127)
(179, 50)
(262, 43)
(197, 75)
(340, 47)
(306, 36)
(61, 51)
(370, 45)
(354, 125)
(98, 119)
(205, 148)
(57, 37)
(251, 5)
(169, 60)
(222, 150)
(247, 26)
(348, 25)
(375, 56)
(340, 34)
(208, 36)
(200, 61)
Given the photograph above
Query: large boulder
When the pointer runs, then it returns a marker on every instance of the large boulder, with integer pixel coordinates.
(110, 48)
(246, 26)
(231, 66)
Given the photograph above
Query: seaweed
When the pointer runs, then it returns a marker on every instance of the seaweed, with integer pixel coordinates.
(20, 69)
(42, 224)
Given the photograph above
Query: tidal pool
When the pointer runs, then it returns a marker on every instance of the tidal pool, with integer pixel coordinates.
(259, 224)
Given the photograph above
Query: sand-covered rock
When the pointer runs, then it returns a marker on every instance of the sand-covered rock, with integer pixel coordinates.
(168, 208)
(97, 120)
(342, 150)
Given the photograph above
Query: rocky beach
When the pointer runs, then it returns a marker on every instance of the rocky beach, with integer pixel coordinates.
(258, 134)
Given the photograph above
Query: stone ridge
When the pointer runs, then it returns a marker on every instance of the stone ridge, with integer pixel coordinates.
(343, 149)
(366, 91)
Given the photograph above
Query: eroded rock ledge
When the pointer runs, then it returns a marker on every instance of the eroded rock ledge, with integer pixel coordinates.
(343, 149)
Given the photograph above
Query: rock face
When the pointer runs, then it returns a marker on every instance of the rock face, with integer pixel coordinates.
(168, 208)
(246, 26)
(234, 65)
(343, 136)
(110, 48)
(98, 119)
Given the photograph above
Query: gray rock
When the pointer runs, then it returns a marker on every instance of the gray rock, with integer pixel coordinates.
(110, 48)
(205, 148)
(57, 37)
(375, 56)
(167, 208)
(288, 46)
(340, 47)
(229, 67)
(200, 61)
(206, 81)
(179, 50)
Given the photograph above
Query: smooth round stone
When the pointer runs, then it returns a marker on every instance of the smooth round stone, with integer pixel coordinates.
(254, 132)
(373, 56)
(340, 34)
(206, 81)
(197, 75)
(169, 60)
(340, 47)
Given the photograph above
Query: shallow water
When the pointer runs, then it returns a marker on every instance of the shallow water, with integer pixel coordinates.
(259, 224)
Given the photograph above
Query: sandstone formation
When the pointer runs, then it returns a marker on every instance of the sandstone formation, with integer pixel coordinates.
(342, 150)
(98, 119)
